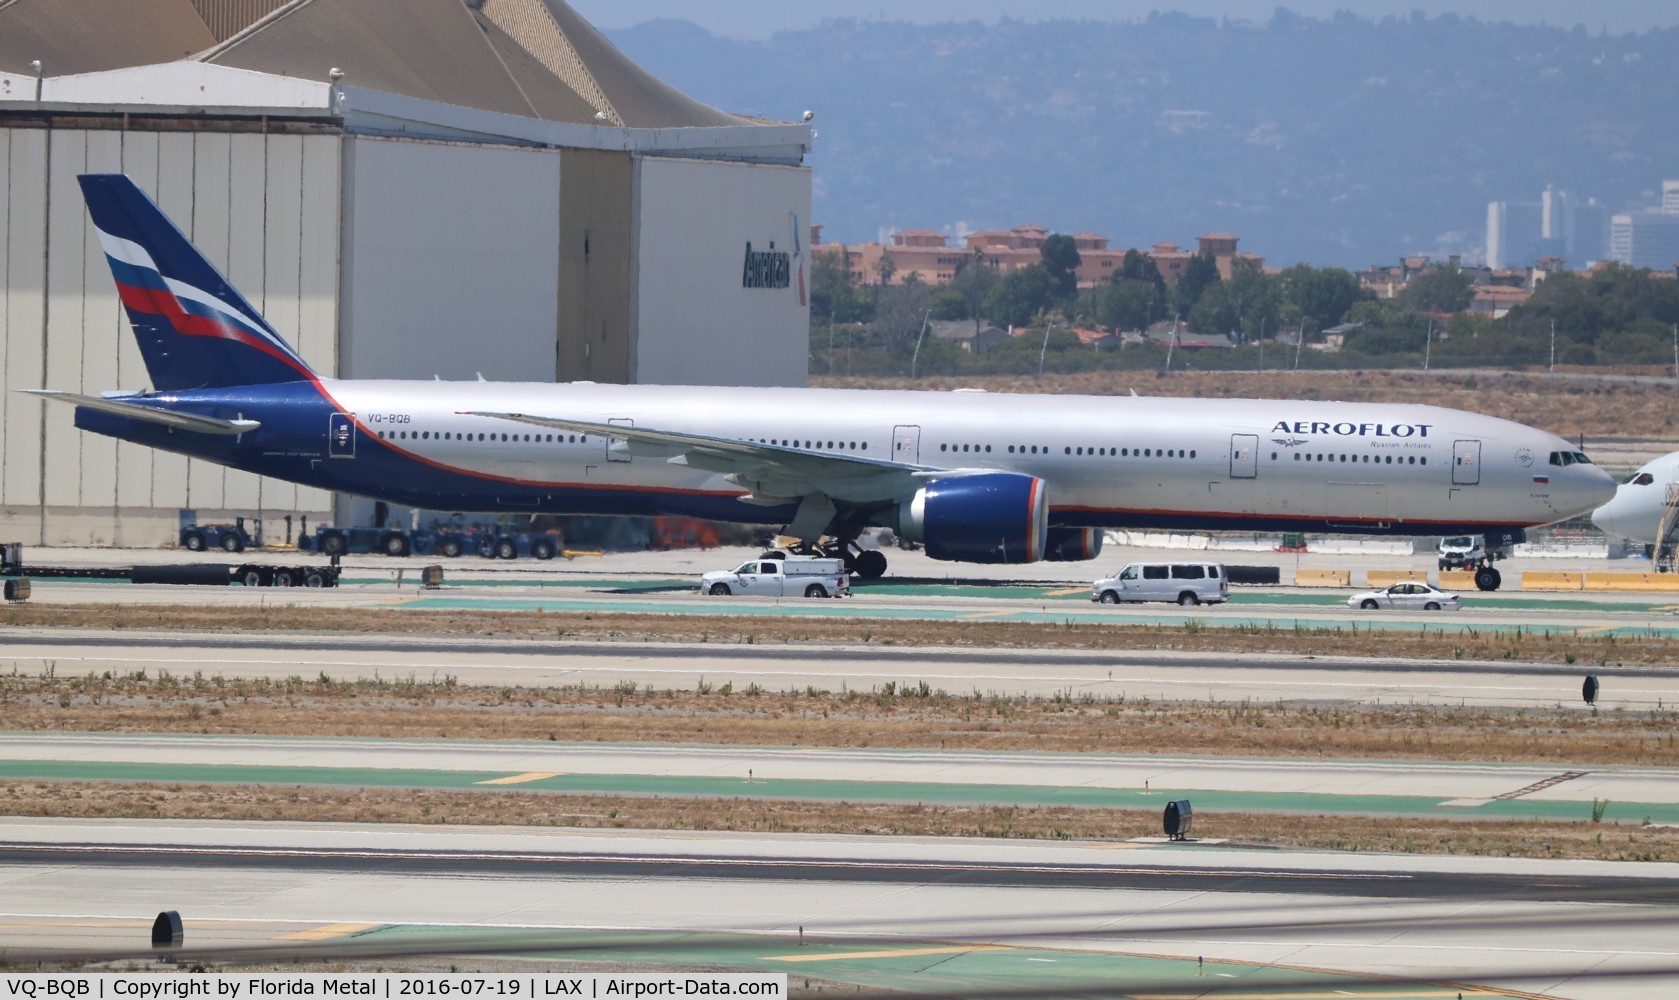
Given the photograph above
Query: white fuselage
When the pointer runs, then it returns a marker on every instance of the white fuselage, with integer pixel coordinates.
(1107, 461)
(1642, 501)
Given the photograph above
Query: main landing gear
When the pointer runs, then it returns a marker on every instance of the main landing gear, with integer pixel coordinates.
(1487, 578)
(866, 564)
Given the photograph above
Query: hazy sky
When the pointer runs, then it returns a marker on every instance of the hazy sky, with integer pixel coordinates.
(758, 18)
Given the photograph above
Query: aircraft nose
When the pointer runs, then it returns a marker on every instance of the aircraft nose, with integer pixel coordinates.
(1602, 488)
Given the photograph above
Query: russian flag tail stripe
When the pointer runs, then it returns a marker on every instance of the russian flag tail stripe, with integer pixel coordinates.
(194, 328)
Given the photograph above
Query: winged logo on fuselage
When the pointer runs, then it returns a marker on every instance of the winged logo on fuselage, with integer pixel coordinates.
(1289, 442)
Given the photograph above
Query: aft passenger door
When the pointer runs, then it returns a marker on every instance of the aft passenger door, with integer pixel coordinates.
(1466, 463)
(906, 444)
(341, 436)
(617, 449)
(1244, 456)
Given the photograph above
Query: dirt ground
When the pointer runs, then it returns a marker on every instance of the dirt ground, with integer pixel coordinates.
(909, 715)
(1351, 640)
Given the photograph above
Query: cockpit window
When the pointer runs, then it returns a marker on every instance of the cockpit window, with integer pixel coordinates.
(1562, 458)
(1581, 459)
(1640, 479)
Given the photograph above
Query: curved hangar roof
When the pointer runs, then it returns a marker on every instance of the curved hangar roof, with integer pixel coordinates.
(533, 58)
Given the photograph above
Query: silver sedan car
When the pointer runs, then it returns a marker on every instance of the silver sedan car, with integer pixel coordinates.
(1410, 596)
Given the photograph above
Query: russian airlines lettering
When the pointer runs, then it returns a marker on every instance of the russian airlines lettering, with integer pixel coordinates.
(1349, 429)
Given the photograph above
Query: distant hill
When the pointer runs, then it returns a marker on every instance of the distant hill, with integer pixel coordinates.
(1335, 142)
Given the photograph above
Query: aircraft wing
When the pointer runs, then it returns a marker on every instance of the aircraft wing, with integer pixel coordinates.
(773, 473)
(151, 414)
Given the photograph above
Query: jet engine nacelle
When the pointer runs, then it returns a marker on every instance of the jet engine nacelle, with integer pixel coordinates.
(992, 517)
(1073, 544)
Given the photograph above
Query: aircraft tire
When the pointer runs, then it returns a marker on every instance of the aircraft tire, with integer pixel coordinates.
(1487, 578)
(871, 565)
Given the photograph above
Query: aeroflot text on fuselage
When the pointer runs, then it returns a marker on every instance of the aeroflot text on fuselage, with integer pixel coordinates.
(1351, 429)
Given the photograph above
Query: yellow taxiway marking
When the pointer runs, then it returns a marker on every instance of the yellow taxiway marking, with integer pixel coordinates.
(1124, 847)
(519, 779)
(988, 614)
(328, 931)
(1069, 591)
(1595, 629)
(897, 953)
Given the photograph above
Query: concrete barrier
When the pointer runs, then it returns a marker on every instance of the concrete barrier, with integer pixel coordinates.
(1464, 579)
(1665, 583)
(1323, 578)
(1388, 577)
(1558, 581)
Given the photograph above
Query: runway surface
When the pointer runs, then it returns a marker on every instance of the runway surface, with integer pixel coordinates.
(1457, 790)
(936, 915)
(1132, 675)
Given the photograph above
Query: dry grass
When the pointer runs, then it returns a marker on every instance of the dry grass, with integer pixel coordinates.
(1492, 838)
(1369, 640)
(1594, 408)
(897, 716)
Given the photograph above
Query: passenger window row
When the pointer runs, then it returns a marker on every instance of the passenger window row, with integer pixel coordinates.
(1023, 449)
(481, 436)
(812, 445)
(1356, 459)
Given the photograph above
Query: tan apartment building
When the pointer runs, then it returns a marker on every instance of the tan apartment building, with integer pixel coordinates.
(928, 255)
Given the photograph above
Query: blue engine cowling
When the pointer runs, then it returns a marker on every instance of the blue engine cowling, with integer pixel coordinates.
(1073, 544)
(992, 517)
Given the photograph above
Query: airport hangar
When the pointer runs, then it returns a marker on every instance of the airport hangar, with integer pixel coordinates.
(486, 187)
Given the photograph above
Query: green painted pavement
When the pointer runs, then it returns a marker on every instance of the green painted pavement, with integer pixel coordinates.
(837, 791)
(923, 967)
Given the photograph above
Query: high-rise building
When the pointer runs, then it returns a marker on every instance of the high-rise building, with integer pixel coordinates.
(1513, 233)
(1645, 239)
(1588, 233)
(1670, 197)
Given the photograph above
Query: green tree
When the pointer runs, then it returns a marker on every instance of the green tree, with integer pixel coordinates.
(1324, 294)
(1127, 305)
(1443, 288)
(974, 279)
(1244, 306)
(1061, 259)
(950, 303)
(1198, 275)
(833, 298)
(1021, 295)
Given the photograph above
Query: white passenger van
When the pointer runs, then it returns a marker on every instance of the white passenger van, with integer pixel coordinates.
(780, 577)
(1185, 583)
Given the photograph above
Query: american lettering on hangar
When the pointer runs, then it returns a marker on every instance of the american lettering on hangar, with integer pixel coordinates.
(482, 187)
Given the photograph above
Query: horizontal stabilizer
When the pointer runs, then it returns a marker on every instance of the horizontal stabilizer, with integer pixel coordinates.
(151, 414)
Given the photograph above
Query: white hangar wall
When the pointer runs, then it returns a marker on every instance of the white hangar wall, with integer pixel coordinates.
(695, 321)
(263, 207)
(451, 260)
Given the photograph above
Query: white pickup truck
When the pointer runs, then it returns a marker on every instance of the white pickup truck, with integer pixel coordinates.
(789, 577)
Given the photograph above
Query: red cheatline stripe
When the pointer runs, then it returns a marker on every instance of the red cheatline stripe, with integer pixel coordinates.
(161, 302)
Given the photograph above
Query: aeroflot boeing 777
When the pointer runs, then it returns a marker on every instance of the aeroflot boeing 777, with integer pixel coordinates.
(975, 477)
